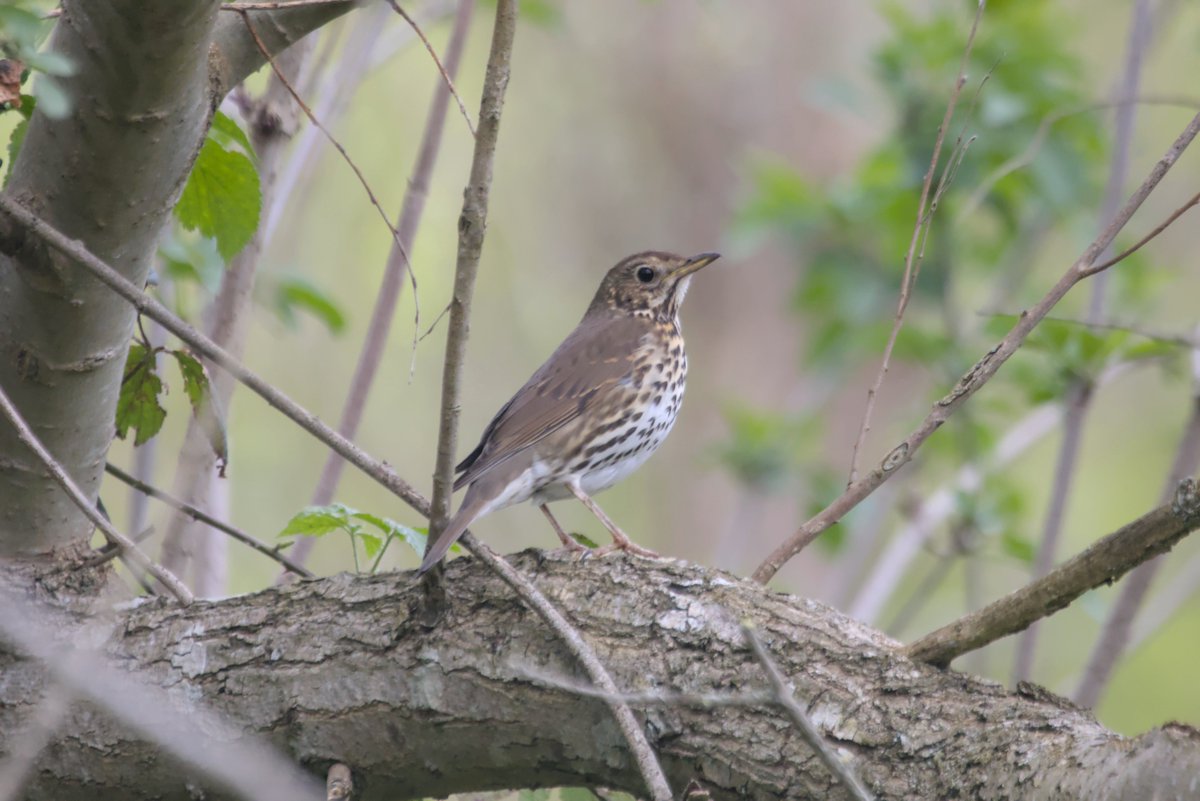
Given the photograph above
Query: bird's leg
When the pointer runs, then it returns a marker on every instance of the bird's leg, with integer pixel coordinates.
(567, 539)
(620, 541)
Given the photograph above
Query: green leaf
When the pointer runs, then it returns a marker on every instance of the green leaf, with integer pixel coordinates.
(52, 99)
(317, 521)
(187, 257)
(204, 404)
(576, 794)
(222, 198)
(371, 543)
(583, 540)
(229, 135)
(414, 537)
(296, 293)
(138, 406)
(1017, 546)
(14, 146)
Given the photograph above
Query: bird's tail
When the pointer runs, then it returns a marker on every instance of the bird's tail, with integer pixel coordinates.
(467, 513)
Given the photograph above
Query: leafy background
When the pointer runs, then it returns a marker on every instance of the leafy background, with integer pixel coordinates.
(793, 138)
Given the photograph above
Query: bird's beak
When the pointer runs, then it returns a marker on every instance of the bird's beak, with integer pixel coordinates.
(693, 264)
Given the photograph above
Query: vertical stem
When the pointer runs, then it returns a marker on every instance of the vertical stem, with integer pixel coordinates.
(394, 272)
(1078, 393)
(472, 225)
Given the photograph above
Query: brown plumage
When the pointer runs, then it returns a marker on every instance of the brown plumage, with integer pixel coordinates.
(595, 411)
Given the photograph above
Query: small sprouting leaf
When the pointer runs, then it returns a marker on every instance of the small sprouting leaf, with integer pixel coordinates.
(292, 294)
(584, 540)
(204, 404)
(138, 406)
(371, 543)
(414, 537)
(317, 521)
(222, 198)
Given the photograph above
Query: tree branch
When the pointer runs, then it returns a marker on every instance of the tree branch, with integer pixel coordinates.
(272, 552)
(979, 374)
(1102, 563)
(344, 670)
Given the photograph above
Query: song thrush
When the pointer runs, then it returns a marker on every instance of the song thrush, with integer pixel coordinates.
(595, 411)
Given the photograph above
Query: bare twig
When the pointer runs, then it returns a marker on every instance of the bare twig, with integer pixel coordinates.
(911, 261)
(808, 731)
(471, 229)
(211, 351)
(1102, 563)
(1079, 392)
(649, 699)
(275, 553)
(1026, 157)
(1115, 635)
(339, 783)
(979, 374)
(246, 765)
(393, 274)
(449, 82)
(639, 746)
(1158, 229)
(258, 42)
(129, 548)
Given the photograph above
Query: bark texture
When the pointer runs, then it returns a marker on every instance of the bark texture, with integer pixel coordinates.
(147, 79)
(342, 669)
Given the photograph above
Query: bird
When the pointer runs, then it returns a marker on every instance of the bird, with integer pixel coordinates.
(598, 408)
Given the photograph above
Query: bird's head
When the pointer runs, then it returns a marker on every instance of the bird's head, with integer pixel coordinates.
(650, 284)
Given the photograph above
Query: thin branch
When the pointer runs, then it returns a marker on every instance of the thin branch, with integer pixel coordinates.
(979, 374)
(128, 547)
(1115, 635)
(639, 746)
(205, 347)
(449, 82)
(652, 699)
(345, 157)
(920, 231)
(1158, 229)
(472, 226)
(808, 731)
(275, 552)
(1102, 563)
(1026, 157)
(393, 275)
(1079, 392)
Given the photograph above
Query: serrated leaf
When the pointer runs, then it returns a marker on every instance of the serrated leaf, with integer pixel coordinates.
(222, 198)
(138, 406)
(195, 379)
(415, 538)
(229, 135)
(14, 146)
(317, 521)
(296, 293)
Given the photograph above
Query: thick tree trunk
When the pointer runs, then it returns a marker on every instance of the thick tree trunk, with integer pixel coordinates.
(148, 76)
(341, 669)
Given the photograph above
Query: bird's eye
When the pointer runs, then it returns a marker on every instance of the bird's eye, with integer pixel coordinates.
(645, 274)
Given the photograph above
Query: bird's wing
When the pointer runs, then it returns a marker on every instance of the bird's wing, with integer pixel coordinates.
(589, 363)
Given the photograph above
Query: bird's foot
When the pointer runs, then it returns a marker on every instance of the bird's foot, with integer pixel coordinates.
(621, 542)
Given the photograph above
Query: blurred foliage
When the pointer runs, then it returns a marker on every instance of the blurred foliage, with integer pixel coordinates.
(23, 29)
(851, 238)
